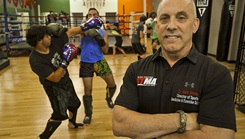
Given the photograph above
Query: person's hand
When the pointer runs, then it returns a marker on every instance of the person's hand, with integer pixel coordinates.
(94, 33)
(191, 123)
(94, 22)
(56, 29)
(68, 54)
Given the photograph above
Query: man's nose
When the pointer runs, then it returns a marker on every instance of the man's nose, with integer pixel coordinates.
(171, 24)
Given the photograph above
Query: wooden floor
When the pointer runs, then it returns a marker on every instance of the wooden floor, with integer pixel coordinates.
(24, 107)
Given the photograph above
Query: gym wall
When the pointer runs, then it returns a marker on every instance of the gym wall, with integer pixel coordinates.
(53, 5)
(116, 6)
(19, 7)
(236, 30)
(215, 26)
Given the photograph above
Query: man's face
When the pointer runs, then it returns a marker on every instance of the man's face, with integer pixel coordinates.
(92, 13)
(176, 24)
(46, 41)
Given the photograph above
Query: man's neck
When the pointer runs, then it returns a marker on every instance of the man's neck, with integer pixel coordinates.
(42, 50)
(172, 58)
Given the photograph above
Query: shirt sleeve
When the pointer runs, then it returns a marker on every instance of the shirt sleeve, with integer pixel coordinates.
(60, 41)
(217, 105)
(141, 27)
(128, 95)
(42, 70)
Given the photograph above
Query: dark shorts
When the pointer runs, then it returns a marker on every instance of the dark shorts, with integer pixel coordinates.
(119, 43)
(62, 98)
(155, 41)
(139, 49)
(101, 68)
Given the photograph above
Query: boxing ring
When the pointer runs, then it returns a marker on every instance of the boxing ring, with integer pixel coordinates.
(15, 26)
(126, 45)
(17, 42)
(133, 21)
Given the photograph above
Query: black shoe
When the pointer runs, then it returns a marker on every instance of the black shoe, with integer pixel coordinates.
(109, 103)
(87, 120)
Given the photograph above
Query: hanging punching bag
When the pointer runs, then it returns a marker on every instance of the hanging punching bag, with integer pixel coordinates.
(200, 38)
(225, 30)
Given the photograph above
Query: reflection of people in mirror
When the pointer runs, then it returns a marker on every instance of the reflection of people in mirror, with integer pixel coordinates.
(202, 2)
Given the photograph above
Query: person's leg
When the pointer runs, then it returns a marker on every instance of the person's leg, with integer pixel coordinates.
(122, 51)
(51, 126)
(72, 120)
(141, 51)
(59, 102)
(114, 52)
(87, 100)
(119, 47)
(110, 89)
(110, 82)
(154, 44)
(88, 83)
(86, 72)
(74, 104)
(104, 71)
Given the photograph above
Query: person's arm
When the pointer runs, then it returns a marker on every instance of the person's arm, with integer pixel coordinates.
(216, 110)
(119, 33)
(105, 48)
(142, 38)
(91, 23)
(205, 132)
(74, 31)
(128, 123)
(56, 75)
(70, 52)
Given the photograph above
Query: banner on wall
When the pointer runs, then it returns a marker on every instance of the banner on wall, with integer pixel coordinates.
(24, 4)
(201, 37)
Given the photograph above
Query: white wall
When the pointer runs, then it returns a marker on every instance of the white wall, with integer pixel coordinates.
(76, 6)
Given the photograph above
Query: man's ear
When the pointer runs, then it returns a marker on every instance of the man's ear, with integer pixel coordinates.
(196, 25)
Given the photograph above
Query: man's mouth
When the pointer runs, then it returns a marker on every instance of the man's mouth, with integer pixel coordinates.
(172, 36)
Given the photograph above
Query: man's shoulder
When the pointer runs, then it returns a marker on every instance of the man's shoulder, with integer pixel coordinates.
(144, 62)
(211, 64)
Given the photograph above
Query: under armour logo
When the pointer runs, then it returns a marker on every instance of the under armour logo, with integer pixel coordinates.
(189, 84)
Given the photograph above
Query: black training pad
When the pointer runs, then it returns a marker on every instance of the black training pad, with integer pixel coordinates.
(4, 63)
(20, 46)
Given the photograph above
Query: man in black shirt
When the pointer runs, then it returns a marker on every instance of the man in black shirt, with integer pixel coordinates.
(49, 59)
(138, 39)
(177, 92)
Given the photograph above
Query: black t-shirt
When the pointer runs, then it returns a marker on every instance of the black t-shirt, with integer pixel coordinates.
(44, 64)
(195, 83)
(118, 38)
(136, 32)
